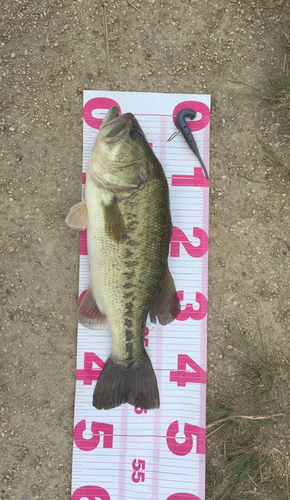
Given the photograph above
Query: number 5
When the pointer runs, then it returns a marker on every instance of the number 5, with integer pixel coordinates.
(182, 449)
(92, 443)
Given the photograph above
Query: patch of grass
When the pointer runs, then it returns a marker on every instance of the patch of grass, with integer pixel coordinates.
(214, 480)
(246, 461)
(271, 153)
(261, 373)
(280, 89)
(225, 425)
(278, 93)
(247, 178)
(245, 467)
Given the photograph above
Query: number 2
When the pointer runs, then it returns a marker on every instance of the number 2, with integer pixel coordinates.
(179, 238)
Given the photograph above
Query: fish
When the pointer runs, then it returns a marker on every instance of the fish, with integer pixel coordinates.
(127, 215)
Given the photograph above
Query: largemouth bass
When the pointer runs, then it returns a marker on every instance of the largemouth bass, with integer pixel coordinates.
(127, 217)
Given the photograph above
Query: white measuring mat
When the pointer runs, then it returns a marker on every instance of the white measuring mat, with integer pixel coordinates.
(127, 453)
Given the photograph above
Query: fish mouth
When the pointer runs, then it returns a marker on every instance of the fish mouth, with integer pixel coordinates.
(113, 125)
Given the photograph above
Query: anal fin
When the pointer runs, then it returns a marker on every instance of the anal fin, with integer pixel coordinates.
(89, 315)
(167, 307)
(78, 216)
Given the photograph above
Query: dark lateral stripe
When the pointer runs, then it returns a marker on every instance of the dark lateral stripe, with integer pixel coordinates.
(130, 226)
(129, 274)
(133, 243)
(129, 334)
(128, 253)
(130, 263)
(129, 309)
(127, 285)
(129, 350)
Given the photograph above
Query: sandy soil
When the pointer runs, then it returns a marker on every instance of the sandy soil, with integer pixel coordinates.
(50, 52)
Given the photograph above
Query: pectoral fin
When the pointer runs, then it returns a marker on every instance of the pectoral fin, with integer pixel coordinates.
(167, 307)
(89, 314)
(114, 222)
(78, 217)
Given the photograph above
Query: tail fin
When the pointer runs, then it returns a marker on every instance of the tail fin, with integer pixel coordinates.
(135, 384)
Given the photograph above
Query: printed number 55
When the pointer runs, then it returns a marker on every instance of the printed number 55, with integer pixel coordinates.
(138, 476)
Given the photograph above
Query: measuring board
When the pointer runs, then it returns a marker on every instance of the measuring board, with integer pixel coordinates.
(127, 453)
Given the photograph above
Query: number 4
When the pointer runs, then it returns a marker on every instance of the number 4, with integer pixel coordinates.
(182, 376)
(88, 374)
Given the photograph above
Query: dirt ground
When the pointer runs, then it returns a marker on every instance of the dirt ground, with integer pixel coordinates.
(50, 52)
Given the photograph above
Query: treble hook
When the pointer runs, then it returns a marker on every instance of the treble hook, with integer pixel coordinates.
(186, 132)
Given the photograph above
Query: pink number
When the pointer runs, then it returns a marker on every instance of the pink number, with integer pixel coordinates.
(182, 449)
(197, 106)
(181, 376)
(189, 312)
(138, 476)
(92, 443)
(138, 411)
(88, 374)
(183, 496)
(91, 493)
(138, 464)
(83, 243)
(198, 178)
(178, 237)
(146, 335)
(94, 104)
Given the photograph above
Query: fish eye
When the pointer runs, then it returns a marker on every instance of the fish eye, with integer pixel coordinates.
(135, 135)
